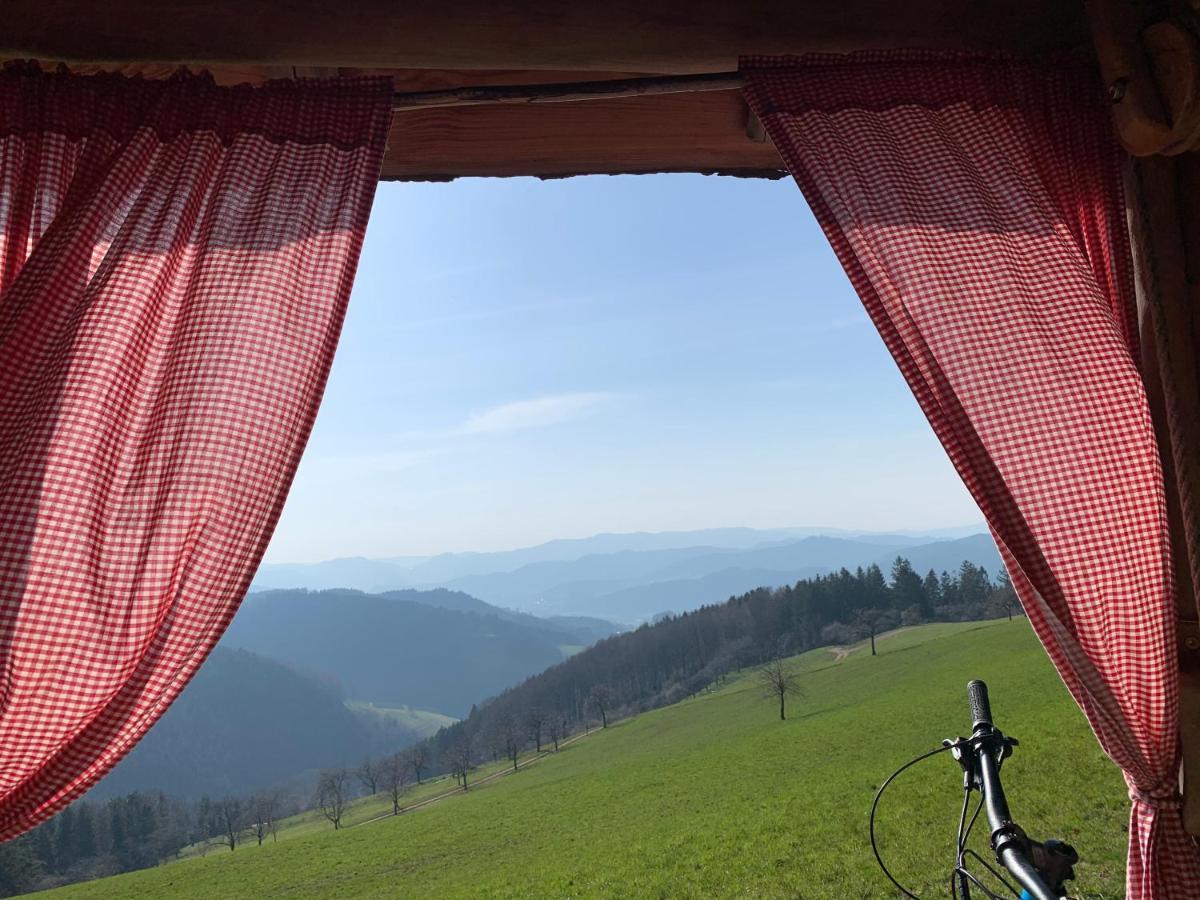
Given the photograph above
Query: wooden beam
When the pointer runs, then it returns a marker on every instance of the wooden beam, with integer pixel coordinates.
(651, 36)
(703, 132)
(1165, 227)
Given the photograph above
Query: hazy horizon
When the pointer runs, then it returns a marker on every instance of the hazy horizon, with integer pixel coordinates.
(946, 532)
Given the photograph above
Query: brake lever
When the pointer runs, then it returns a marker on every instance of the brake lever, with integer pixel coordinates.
(964, 749)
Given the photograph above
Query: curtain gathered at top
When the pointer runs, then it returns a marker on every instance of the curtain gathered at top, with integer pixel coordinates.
(976, 205)
(175, 262)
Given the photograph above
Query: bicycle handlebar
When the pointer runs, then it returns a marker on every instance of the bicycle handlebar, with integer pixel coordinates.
(1008, 841)
(981, 709)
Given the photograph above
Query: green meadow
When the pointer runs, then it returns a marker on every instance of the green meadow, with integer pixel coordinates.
(715, 797)
(363, 811)
(422, 721)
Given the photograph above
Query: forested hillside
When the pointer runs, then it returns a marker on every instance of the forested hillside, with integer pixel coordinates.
(245, 723)
(677, 656)
(435, 650)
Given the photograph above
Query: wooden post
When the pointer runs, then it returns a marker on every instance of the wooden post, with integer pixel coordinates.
(1152, 71)
(1164, 213)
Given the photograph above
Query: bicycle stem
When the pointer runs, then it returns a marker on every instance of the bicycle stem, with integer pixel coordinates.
(1008, 840)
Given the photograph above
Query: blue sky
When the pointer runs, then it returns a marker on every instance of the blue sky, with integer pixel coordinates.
(525, 360)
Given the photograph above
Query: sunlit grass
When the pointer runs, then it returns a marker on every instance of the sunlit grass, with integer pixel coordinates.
(715, 797)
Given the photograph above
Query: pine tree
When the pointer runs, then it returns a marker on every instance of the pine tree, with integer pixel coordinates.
(949, 590)
(42, 839)
(907, 589)
(875, 589)
(64, 837)
(84, 843)
(932, 589)
(973, 584)
(19, 867)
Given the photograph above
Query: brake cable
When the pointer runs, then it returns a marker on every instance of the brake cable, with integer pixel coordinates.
(875, 805)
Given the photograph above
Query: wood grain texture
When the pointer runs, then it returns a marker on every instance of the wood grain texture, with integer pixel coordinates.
(1165, 232)
(665, 36)
(671, 133)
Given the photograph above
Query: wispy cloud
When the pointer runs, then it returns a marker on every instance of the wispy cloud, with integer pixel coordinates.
(536, 413)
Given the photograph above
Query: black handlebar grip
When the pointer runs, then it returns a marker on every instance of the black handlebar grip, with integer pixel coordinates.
(981, 709)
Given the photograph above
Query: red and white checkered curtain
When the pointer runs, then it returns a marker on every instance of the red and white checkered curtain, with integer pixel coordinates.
(976, 205)
(175, 261)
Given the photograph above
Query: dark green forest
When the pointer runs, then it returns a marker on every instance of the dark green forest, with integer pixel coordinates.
(246, 721)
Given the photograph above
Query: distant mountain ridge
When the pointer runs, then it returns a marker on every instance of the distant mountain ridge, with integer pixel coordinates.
(651, 573)
(683, 585)
(390, 573)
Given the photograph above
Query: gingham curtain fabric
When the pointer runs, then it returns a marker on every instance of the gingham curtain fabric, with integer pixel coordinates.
(175, 261)
(976, 205)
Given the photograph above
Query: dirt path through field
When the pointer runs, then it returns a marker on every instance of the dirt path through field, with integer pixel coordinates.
(840, 653)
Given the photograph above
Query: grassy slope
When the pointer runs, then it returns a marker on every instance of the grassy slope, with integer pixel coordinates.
(716, 797)
(358, 812)
(424, 722)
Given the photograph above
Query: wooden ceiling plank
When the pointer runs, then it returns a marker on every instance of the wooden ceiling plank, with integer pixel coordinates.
(666, 133)
(657, 36)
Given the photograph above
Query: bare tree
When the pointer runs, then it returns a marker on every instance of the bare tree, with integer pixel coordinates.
(460, 756)
(536, 721)
(263, 812)
(509, 737)
(778, 680)
(875, 621)
(395, 778)
(368, 773)
(273, 804)
(600, 699)
(558, 730)
(332, 794)
(418, 758)
(232, 816)
(868, 620)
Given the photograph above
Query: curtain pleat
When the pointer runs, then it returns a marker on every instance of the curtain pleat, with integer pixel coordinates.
(175, 262)
(976, 205)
